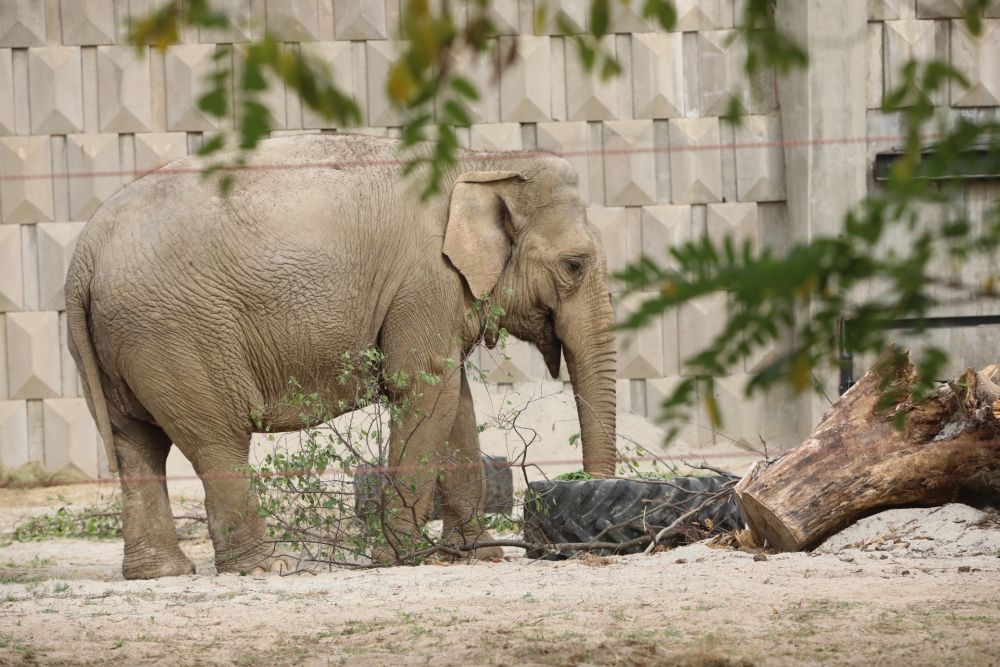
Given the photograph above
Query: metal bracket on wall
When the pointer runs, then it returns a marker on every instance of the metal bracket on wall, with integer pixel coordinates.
(908, 324)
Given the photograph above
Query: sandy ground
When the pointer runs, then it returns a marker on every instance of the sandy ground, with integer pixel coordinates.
(908, 587)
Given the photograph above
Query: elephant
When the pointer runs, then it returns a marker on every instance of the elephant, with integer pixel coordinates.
(188, 311)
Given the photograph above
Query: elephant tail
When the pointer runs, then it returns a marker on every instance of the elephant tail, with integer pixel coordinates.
(82, 347)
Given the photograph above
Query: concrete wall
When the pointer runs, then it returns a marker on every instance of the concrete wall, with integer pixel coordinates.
(80, 111)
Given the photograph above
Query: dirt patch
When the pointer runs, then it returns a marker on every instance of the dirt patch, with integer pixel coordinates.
(63, 602)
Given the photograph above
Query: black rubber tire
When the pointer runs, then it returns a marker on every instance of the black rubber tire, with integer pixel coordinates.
(567, 512)
(499, 490)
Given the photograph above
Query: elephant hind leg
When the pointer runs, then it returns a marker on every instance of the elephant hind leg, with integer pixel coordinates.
(151, 548)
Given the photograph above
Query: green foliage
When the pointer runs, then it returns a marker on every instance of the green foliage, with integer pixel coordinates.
(95, 522)
(572, 476)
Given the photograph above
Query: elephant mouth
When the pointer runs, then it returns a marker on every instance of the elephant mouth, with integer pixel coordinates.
(551, 348)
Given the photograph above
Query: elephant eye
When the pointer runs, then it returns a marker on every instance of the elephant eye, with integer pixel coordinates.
(573, 266)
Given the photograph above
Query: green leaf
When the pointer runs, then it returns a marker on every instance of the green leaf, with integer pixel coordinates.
(600, 17)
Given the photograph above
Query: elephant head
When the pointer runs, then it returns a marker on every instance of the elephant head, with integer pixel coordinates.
(517, 230)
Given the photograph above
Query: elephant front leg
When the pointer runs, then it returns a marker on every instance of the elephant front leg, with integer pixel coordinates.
(414, 456)
(463, 481)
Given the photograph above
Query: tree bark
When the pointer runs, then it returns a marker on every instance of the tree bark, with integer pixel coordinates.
(876, 448)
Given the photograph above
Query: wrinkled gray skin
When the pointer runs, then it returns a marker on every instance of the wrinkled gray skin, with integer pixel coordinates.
(188, 314)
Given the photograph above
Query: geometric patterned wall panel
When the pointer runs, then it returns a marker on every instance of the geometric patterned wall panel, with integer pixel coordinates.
(940, 9)
(640, 352)
(483, 70)
(504, 16)
(525, 86)
(695, 173)
(734, 220)
(574, 17)
(905, 40)
(56, 90)
(622, 243)
(11, 276)
(273, 99)
(657, 75)
(70, 436)
(96, 156)
(55, 248)
(337, 56)
(359, 19)
(760, 159)
(627, 17)
(720, 62)
(239, 24)
(700, 322)
(123, 82)
(665, 227)
(157, 149)
(875, 83)
(743, 416)
(187, 67)
(87, 22)
(379, 56)
(13, 434)
(695, 15)
(629, 163)
(293, 20)
(496, 137)
(572, 141)
(890, 10)
(22, 23)
(33, 363)
(977, 58)
(590, 97)
(7, 98)
(27, 199)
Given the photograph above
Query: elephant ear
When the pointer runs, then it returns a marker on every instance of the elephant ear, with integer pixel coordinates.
(476, 240)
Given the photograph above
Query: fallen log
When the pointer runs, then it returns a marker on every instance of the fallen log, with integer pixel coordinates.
(876, 448)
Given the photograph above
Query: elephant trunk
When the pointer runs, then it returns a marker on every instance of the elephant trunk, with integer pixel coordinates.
(589, 347)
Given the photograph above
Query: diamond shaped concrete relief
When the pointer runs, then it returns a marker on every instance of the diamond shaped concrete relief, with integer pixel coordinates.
(7, 99)
(574, 16)
(13, 434)
(721, 57)
(157, 149)
(665, 227)
(588, 97)
(33, 364)
(55, 248)
(697, 431)
(505, 17)
(695, 161)
(292, 20)
(379, 57)
(657, 75)
(187, 68)
(940, 9)
(621, 237)
(992, 10)
(338, 57)
(518, 362)
(697, 15)
(359, 19)
(890, 10)
(11, 276)
(70, 436)
(571, 141)
(273, 98)
(640, 352)
(760, 159)
(743, 417)
(700, 321)
(874, 81)
(27, 196)
(627, 17)
(88, 22)
(496, 137)
(629, 163)
(903, 41)
(484, 71)
(94, 161)
(55, 88)
(734, 220)
(239, 23)
(22, 23)
(123, 89)
(977, 59)
(525, 93)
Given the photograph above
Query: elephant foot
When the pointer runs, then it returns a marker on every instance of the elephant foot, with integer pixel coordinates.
(152, 564)
(456, 537)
